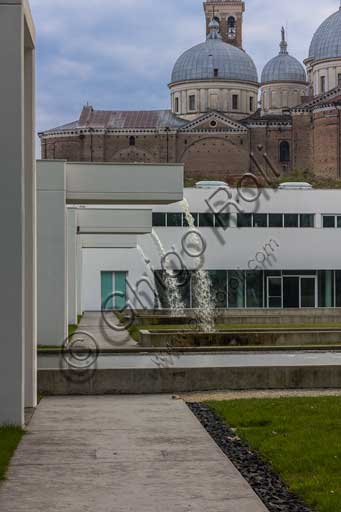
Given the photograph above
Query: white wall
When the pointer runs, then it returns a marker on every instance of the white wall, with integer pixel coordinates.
(245, 248)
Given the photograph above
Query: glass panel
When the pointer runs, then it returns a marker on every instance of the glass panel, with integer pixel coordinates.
(206, 220)
(291, 292)
(307, 220)
(260, 220)
(275, 292)
(159, 219)
(275, 220)
(339, 221)
(219, 287)
(244, 220)
(291, 220)
(338, 288)
(329, 221)
(161, 288)
(299, 272)
(326, 288)
(174, 219)
(222, 220)
(308, 285)
(275, 302)
(194, 284)
(184, 281)
(236, 289)
(120, 289)
(195, 217)
(254, 289)
(107, 290)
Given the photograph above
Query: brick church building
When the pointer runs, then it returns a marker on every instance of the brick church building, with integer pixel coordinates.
(222, 119)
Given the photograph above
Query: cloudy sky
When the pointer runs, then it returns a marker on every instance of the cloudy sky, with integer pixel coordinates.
(118, 54)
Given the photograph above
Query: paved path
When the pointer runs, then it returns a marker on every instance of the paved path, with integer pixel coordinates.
(104, 332)
(121, 454)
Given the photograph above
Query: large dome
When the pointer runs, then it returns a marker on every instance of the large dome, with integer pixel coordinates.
(283, 67)
(326, 43)
(214, 59)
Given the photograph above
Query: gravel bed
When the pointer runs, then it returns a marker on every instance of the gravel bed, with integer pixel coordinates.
(264, 481)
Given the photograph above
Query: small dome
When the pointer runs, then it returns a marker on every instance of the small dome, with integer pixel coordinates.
(326, 42)
(214, 59)
(283, 67)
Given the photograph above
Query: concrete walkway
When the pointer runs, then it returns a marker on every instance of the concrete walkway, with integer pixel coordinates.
(121, 454)
(105, 334)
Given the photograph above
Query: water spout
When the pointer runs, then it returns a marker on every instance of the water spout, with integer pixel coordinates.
(174, 298)
(205, 314)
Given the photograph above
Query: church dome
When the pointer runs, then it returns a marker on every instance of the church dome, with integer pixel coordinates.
(283, 67)
(326, 43)
(216, 60)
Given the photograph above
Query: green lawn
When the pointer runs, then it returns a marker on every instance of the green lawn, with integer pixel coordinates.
(300, 437)
(9, 439)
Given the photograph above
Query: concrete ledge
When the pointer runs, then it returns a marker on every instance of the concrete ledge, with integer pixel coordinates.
(176, 380)
(279, 337)
(246, 316)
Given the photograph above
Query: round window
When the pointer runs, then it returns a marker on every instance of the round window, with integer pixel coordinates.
(213, 124)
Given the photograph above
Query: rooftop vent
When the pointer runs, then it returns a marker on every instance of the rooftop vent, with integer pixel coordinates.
(295, 185)
(210, 184)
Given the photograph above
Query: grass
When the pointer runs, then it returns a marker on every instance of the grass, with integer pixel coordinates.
(72, 328)
(299, 437)
(9, 440)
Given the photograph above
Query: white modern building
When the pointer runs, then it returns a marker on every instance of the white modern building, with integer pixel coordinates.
(282, 250)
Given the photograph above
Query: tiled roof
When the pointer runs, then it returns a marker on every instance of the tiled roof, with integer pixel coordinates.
(257, 116)
(124, 120)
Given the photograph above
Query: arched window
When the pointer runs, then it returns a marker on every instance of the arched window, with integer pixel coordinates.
(284, 151)
(132, 141)
(231, 27)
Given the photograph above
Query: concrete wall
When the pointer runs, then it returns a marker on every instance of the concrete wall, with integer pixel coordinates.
(177, 380)
(52, 253)
(17, 211)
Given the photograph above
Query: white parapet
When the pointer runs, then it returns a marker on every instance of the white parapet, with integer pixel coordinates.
(100, 183)
(114, 221)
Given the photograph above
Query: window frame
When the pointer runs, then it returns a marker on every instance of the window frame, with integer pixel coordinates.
(292, 215)
(311, 216)
(176, 215)
(263, 215)
(235, 101)
(192, 104)
(325, 217)
(158, 225)
(284, 154)
(271, 218)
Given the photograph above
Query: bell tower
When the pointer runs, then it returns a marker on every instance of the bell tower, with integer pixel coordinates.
(229, 14)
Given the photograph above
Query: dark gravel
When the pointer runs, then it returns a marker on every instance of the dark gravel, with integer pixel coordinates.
(264, 481)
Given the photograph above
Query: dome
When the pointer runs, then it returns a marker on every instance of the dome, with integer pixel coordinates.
(326, 43)
(283, 67)
(214, 59)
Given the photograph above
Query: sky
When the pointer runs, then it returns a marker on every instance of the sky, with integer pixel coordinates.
(119, 54)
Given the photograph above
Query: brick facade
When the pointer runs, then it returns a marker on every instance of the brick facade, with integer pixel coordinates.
(218, 152)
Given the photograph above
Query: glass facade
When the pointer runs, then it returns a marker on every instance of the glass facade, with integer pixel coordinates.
(244, 220)
(261, 289)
